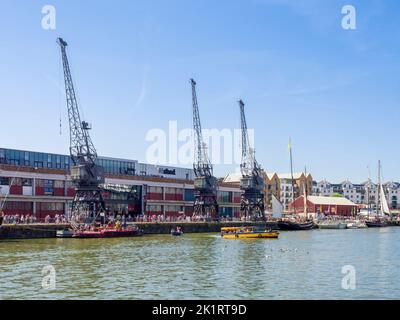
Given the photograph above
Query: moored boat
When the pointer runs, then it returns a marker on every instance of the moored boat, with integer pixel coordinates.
(293, 225)
(66, 233)
(332, 225)
(376, 223)
(356, 224)
(382, 209)
(393, 223)
(108, 233)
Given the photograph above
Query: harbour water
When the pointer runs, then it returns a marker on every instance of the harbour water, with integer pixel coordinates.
(299, 265)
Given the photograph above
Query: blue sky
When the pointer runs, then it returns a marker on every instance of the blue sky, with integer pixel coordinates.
(334, 91)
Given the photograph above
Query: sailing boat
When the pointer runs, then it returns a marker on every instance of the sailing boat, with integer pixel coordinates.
(383, 209)
(293, 224)
(277, 208)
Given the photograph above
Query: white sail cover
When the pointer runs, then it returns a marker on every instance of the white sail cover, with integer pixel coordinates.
(384, 204)
(277, 208)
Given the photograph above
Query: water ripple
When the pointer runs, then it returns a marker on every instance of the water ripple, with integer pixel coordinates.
(204, 266)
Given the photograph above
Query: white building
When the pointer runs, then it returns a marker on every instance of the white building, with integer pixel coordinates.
(362, 193)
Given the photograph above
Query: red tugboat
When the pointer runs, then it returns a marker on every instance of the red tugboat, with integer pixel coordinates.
(108, 231)
(111, 230)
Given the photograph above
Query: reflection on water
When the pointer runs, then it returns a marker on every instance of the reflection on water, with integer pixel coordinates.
(304, 264)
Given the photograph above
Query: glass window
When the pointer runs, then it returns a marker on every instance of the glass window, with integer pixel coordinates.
(4, 181)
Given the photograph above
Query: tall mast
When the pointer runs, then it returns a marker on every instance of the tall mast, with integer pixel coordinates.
(379, 187)
(368, 192)
(305, 193)
(291, 172)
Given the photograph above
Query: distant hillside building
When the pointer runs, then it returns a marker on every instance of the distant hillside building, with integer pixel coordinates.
(361, 194)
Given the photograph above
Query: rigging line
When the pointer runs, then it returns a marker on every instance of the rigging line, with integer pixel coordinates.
(5, 198)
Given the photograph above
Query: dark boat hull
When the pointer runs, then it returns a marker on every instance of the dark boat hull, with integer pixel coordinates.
(176, 233)
(394, 223)
(373, 224)
(288, 225)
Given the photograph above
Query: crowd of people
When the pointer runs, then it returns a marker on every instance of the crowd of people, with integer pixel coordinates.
(80, 218)
(182, 218)
(30, 219)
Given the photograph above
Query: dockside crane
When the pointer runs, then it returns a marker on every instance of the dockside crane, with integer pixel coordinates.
(251, 182)
(86, 175)
(205, 184)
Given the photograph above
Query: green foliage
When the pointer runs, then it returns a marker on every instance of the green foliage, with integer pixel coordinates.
(337, 195)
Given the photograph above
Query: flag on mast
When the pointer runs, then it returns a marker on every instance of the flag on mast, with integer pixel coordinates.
(290, 143)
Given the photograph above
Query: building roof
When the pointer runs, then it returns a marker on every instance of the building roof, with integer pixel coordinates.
(233, 177)
(320, 200)
(296, 175)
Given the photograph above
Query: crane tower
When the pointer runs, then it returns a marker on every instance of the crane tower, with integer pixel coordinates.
(252, 182)
(205, 184)
(85, 173)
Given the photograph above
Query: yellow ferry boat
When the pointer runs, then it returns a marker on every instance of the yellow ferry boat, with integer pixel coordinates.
(247, 233)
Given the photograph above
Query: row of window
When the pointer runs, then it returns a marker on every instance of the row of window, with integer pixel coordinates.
(26, 182)
(51, 206)
(173, 190)
(55, 161)
(224, 196)
(18, 205)
(167, 208)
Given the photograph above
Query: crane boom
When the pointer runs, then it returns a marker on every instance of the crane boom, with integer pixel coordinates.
(202, 165)
(83, 153)
(82, 149)
(249, 165)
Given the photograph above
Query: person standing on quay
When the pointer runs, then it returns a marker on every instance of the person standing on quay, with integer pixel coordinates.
(1, 217)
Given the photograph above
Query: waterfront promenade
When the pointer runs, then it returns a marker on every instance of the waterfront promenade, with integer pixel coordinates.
(49, 230)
